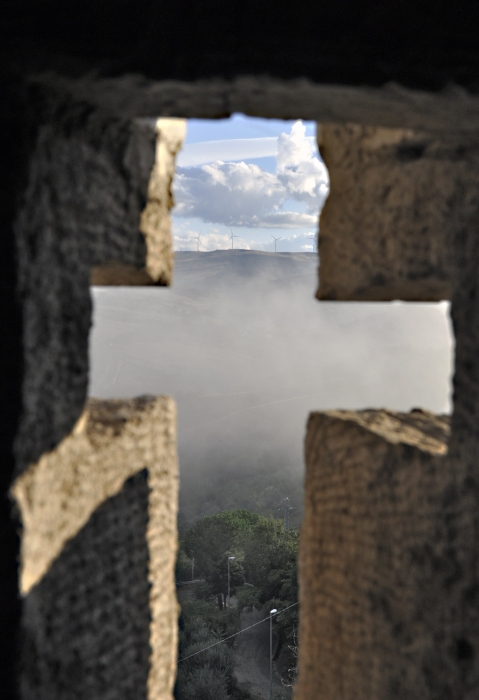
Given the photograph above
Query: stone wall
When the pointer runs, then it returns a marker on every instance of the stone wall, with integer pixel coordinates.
(400, 202)
(76, 78)
(389, 552)
(86, 631)
(389, 105)
(96, 206)
(98, 557)
(388, 561)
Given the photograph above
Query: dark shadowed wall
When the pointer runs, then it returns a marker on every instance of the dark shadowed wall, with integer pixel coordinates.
(348, 42)
(360, 43)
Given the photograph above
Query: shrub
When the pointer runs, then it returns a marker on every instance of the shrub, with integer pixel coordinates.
(204, 683)
(203, 591)
(248, 598)
(208, 675)
(201, 612)
(219, 657)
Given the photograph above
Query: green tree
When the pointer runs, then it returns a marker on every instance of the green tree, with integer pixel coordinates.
(266, 556)
(269, 558)
(209, 674)
(270, 561)
(183, 569)
(212, 539)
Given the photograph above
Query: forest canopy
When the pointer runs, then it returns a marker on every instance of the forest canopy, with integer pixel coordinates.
(265, 559)
(262, 556)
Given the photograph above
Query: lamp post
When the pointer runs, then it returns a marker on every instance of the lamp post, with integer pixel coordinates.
(272, 612)
(229, 559)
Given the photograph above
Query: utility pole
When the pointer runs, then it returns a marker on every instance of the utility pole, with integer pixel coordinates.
(229, 599)
(232, 237)
(313, 238)
(272, 612)
(193, 569)
(276, 240)
(286, 508)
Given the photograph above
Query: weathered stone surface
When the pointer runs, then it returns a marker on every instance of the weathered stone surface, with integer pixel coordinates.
(399, 201)
(94, 184)
(58, 496)
(85, 628)
(155, 223)
(388, 561)
(335, 58)
(390, 106)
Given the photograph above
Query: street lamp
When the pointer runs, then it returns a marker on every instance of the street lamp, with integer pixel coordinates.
(229, 559)
(272, 612)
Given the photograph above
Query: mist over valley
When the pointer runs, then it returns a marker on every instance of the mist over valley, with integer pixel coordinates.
(247, 352)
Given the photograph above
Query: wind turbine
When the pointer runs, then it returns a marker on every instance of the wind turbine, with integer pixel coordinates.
(276, 240)
(233, 236)
(313, 238)
(198, 241)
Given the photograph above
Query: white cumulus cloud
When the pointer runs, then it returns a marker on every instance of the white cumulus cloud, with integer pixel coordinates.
(243, 194)
(303, 175)
(235, 194)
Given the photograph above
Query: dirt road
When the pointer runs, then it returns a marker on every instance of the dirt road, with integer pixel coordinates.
(252, 656)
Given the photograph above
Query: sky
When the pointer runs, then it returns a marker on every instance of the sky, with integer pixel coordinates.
(254, 179)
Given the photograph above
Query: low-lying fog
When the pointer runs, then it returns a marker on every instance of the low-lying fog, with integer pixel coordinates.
(242, 345)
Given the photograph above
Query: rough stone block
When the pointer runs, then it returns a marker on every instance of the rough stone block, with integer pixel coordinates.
(154, 222)
(96, 208)
(85, 631)
(388, 561)
(400, 203)
(392, 105)
(98, 555)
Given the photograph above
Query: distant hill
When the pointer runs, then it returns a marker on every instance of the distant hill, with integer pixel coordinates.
(208, 272)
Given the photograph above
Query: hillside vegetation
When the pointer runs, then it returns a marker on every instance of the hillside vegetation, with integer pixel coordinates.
(262, 558)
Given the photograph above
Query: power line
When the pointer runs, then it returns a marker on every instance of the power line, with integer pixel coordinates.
(237, 633)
